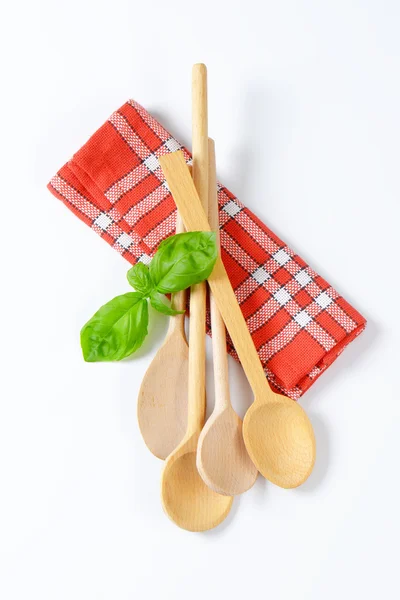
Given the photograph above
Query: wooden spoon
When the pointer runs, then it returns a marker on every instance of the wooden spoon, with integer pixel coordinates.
(222, 458)
(162, 402)
(186, 498)
(277, 432)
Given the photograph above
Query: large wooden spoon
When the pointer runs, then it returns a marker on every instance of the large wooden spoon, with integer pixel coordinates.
(186, 498)
(277, 432)
(162, 402)
(222, 459)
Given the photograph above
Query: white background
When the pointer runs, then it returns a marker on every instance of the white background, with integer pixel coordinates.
(304, 104)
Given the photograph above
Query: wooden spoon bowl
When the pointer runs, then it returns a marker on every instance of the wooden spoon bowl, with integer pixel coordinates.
(222, 458)
(162, 401)
(282, 443)
(185, 497)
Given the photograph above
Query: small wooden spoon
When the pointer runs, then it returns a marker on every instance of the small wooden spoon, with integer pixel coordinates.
(222, 458)
(185, 497)
(162, 402)
(277, 432)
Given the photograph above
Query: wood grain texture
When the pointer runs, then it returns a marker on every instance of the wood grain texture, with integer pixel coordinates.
(162, 402)
(278, 434)
(185, 497)
(222, 458)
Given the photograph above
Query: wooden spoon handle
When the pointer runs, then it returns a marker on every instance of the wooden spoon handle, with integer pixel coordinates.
(197, 342)
(181, 185)
(178, 300)
(200, 132)
(220, 357)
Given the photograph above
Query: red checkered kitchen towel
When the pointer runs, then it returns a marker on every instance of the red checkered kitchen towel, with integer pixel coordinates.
(114, 183)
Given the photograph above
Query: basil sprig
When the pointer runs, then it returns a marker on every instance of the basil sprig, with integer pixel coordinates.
(183, 260)
(119, 327)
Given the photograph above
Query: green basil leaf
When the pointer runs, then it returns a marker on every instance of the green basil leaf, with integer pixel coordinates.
(157, 302)
(139, 278)
(117, 329)
(183, 260)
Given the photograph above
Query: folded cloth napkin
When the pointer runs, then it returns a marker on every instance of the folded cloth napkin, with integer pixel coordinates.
(114, 183)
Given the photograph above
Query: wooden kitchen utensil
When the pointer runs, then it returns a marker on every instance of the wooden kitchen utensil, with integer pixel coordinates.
(162, 402)
(185, 497)
(277, 432)
(222, 459)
